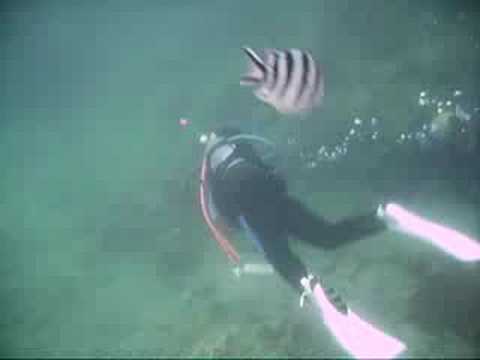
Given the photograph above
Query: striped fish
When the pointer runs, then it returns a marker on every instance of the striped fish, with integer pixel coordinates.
(289, 80)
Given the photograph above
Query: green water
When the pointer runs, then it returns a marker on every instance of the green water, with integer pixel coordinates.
(103, 248)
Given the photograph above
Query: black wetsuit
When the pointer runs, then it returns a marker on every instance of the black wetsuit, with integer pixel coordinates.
(252, 189)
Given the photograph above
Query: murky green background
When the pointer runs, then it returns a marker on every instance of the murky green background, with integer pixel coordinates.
(103, 248)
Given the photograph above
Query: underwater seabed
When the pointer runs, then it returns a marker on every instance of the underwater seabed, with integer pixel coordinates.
(405, 286)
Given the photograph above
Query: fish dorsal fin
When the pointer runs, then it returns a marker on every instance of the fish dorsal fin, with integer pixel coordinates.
(256, 68)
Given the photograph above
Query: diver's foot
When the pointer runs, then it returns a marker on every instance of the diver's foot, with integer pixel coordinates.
(384, 215)
(332, 295)
(381, 211)
(336, 300)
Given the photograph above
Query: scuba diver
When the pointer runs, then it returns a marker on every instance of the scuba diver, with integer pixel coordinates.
(247, 193)
(251, 195)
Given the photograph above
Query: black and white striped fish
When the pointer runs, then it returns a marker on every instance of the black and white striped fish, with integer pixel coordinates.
(289, 80)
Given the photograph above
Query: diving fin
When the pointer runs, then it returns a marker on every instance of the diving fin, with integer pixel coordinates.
(449, 240)
(359, 338)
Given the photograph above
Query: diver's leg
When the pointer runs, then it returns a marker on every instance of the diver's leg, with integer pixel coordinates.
(271, 236)
(307, 226)
(259, 202)
(287, 264)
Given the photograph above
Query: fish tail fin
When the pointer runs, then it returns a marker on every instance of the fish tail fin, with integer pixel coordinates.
(256, 69)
